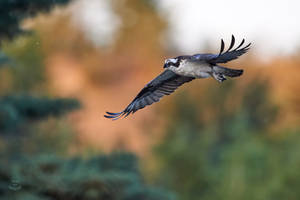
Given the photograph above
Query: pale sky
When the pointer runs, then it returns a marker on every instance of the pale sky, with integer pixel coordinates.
(97, 20)
(273, 26)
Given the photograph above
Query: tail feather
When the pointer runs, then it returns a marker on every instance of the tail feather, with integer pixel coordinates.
(227, 71)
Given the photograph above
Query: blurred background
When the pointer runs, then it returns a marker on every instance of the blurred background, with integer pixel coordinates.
(63, 63)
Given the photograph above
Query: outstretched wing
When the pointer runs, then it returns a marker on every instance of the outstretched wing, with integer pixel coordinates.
(230, 55)
(164, 84)
(224, 57)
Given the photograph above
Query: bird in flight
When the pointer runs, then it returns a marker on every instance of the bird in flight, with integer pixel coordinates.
(183, 69)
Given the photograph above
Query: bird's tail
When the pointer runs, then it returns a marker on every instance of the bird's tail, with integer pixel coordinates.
(227, 71)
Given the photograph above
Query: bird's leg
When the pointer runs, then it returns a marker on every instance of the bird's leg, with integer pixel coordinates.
(219, 77)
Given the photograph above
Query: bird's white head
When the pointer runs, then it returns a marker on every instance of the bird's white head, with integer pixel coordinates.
(171, 62)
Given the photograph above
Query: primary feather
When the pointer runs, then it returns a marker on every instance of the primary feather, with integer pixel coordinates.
(224, 57)
(230, 55)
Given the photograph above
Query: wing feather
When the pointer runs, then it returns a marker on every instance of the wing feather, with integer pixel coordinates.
(229, 55)
(231, 44)
(164, 84)
(226, 56)
(222, 46)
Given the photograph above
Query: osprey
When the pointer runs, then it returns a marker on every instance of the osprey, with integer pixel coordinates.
(183, 69)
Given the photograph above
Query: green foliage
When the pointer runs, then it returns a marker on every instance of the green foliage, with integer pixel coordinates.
(12, 12)
(27, 74)
(29, 166)
(15, 110)
(111, 177)
(4, 59)
(232, 155)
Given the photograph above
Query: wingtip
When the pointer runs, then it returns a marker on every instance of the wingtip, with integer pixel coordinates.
(108, 116)
(111, 113)
(241, 44)
(231, 43)
(222, 46)
(241, 72)
(113, 116)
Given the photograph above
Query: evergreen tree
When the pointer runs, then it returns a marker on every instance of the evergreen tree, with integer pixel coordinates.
(36, 173)
(12, 12)
(15, 109)
(111, 177)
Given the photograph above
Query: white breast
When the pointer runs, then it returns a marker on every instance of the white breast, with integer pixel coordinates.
(193, 69)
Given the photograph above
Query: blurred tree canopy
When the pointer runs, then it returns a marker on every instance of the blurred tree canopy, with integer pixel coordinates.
(112, 177)
(33, 140)
(234, 155)
(15, 110)
(12, 12)
(26, 72)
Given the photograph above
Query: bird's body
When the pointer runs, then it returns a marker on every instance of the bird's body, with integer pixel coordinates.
(196, 69)
(183, 69)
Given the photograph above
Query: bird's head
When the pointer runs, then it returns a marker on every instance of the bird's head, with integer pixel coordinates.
(171, 62)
